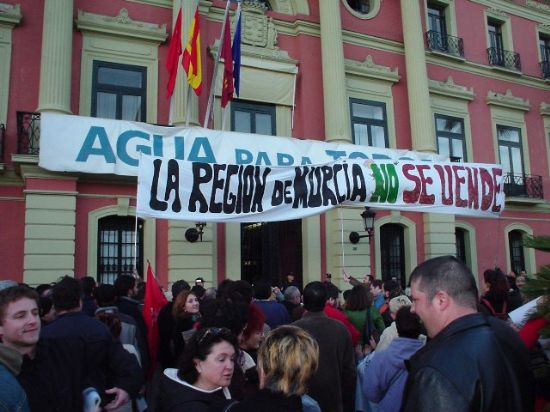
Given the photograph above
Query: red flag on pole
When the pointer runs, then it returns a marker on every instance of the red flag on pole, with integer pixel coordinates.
(154, 302)
(227, 85)
(174, 53)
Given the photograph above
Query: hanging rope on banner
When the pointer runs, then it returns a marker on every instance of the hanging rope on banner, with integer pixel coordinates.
(135, 246)
(497, 243)
(343, 262)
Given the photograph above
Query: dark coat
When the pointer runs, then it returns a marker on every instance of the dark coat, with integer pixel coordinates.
(477, 363)
(266, 401)
(333, 385)
(177, 397)
(105, 362)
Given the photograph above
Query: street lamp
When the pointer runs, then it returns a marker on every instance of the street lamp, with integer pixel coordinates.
(192, 234)
(368, 216)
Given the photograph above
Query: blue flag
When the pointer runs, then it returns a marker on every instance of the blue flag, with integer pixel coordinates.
(236, 54)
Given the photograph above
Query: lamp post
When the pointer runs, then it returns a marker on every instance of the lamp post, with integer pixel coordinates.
(192, 234)
(368, 216)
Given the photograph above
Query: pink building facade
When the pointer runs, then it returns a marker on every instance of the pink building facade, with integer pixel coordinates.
(467, 79)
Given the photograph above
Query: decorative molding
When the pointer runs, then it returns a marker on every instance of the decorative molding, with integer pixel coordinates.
(10, 14)
(369, 68)
(497, 13)
(451, 89)
(545, 109)
(544, 28)
(537, 5)
(258, 29)
(508, 100)
(121, 25)
(159, 3)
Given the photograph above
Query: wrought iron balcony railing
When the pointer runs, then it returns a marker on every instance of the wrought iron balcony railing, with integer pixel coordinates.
(28, 133)
(529, 186)
(2, 140)
(445, 43)
(504, 58)
(545, 69)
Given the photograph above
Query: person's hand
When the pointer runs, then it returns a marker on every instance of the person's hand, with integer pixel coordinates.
(372, 343)
(345, 276)
(121, 397)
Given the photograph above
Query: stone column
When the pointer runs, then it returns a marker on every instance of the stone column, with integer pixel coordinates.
(336, 111)
(422, 123)
(56, 59)
(439, 236)
(179, 98)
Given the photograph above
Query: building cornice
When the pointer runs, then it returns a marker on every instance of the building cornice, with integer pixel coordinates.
(121, 25)
(10, 14)
(508, 100)
(450, 89)
(531, 10)
(369, 68)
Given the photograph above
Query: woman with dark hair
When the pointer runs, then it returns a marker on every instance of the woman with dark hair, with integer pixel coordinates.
(200, 384)
(234, 316)
(286, 361)
(494, 300)
(363, 315)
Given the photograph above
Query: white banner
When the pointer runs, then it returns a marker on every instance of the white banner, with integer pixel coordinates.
(222, 192)
(95, 145)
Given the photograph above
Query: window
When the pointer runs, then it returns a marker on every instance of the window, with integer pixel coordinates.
(116, 243)
(369, 123)
(517, 257)
(499, 36)
(544, 44)
(119, 91)
(437, 27)
(509, 146)
(253, 118)
(495, 35)
(511, 159)
(392, 248)
(450, 137)
(361, 6)
(460, 237)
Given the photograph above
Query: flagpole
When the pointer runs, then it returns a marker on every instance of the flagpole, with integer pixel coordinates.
(212, 84)
(224, 120)
(187, 111)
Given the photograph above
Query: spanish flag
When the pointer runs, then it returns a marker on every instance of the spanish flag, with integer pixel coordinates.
(192, 55)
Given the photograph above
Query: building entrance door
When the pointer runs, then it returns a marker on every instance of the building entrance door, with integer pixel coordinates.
(271, 250)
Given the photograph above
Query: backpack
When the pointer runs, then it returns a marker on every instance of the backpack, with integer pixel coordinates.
(501, 315)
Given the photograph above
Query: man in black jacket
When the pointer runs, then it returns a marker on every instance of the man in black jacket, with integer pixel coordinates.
(333, 385)
(471, 363)
(87, 346)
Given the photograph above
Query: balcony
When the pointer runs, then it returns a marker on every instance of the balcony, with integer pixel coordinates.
(2, 140)
(445, 44)
(528, 186)
(28, 133)
(545, 69)
(504, 58)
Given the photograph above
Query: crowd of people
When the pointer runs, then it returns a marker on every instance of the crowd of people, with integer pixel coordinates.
(77, 346)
